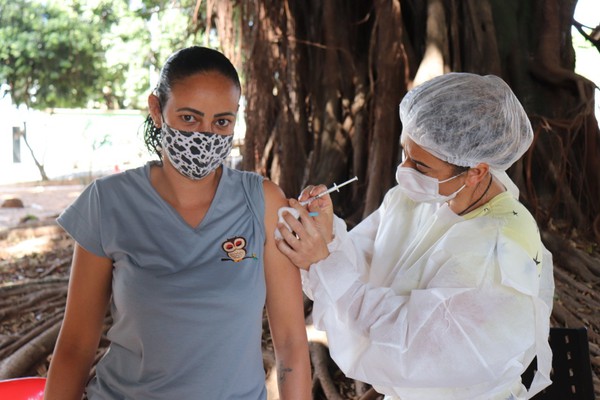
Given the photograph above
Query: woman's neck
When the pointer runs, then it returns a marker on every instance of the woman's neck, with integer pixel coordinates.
(182, 192)
(486, 189)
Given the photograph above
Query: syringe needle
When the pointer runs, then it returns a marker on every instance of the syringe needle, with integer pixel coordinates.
(334, 188)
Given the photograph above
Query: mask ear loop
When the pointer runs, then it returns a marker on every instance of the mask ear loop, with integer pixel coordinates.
(480, 197)
(452, 177)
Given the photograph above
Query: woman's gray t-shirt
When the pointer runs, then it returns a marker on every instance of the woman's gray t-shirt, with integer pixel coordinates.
(187, 302)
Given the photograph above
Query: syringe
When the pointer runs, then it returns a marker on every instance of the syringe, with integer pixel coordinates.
(334, 188)
(296, 214)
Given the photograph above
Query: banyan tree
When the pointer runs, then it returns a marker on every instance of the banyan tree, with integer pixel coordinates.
(323, 80)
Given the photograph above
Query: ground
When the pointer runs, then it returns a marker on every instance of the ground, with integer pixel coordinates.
(35, 256)
(42, 204)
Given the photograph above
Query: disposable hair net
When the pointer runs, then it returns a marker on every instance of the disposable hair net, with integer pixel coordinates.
(465, 119)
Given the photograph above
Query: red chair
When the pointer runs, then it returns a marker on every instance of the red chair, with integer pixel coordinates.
(29, 388)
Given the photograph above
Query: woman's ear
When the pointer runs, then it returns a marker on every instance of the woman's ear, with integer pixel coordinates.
(155, 111)
(477, 173)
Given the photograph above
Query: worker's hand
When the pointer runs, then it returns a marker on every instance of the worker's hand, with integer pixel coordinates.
(321, 209)
(304, 244)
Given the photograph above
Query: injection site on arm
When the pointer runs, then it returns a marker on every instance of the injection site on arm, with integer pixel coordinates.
(294, 212)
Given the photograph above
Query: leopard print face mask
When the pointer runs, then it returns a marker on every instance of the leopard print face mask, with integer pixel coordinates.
(195, 154)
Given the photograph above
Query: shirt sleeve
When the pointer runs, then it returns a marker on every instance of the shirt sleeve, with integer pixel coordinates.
(82, 221)
(462, 329)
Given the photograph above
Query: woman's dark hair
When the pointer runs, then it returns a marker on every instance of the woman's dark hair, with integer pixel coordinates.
(180, 65)
(457, 169)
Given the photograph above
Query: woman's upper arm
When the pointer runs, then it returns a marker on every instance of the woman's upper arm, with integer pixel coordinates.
(87, 299)
(284, 291)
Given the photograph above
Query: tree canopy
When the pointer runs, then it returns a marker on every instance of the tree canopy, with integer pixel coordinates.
(98, 53)
(51, 53)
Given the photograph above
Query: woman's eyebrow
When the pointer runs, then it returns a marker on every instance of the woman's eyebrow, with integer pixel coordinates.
(417, 162)
(223, 114)
(420, 163)
(192, 110)
(200, 113)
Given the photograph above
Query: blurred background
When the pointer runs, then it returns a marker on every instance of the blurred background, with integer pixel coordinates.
(321, 81)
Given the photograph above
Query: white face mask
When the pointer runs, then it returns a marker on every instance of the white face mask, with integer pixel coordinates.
(423, 188)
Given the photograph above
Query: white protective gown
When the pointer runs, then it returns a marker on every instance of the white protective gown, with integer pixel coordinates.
(424, 304)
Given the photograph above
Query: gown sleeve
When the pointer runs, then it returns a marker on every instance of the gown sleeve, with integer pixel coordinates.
(473, 321)
(358, 244)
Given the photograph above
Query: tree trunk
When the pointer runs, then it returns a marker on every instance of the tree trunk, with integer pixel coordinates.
(324, 79)
(391, 66)
(39, 166)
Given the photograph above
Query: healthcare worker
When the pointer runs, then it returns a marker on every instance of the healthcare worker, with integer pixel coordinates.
(445, 291)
